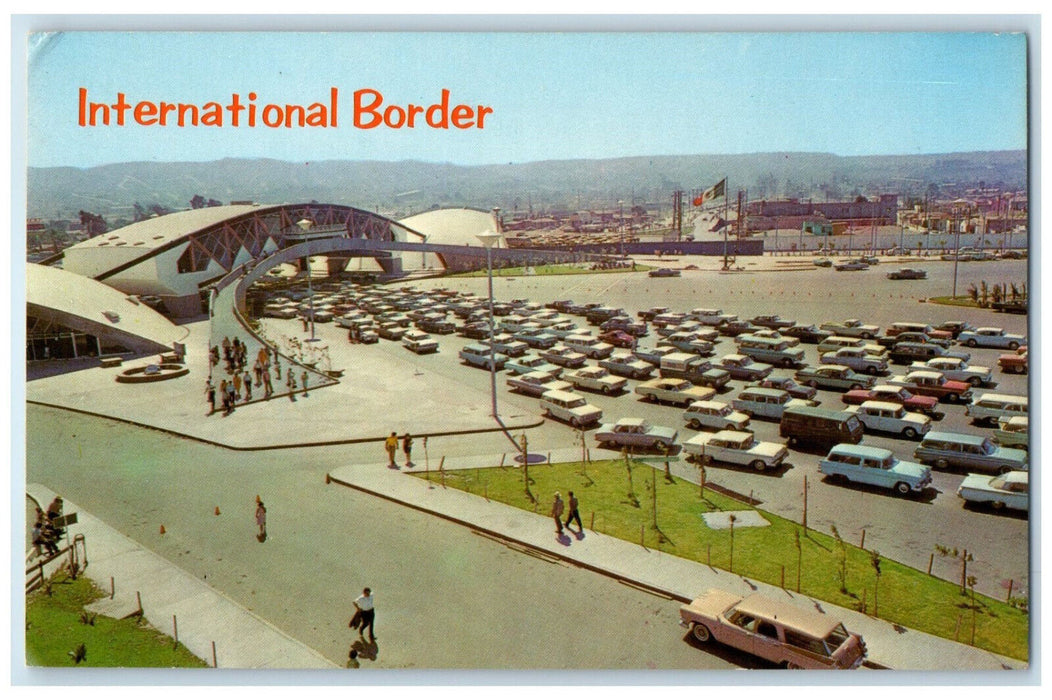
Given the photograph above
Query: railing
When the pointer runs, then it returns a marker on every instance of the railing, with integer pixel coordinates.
(77, 555)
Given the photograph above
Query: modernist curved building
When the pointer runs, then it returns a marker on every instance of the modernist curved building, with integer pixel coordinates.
(177, 255)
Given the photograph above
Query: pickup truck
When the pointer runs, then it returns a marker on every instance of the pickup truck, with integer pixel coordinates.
(635, 433)
(1010, 490)
(933, 384)
(851, 328)
(836, 377)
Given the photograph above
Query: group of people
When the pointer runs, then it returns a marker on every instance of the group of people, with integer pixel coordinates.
(237, 388)
(391, 445)
(570, 507)
(47, 530)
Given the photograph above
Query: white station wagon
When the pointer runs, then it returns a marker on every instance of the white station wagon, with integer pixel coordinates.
(714, 414)
(887, 417)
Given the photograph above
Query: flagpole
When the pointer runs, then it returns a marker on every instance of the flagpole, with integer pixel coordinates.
(726, 223)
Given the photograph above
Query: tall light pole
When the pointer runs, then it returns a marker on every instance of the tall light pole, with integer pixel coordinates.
(305, 225)
(489, 239)
(956, 250)
(621, 224)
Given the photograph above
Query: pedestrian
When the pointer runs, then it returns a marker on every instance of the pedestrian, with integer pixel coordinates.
(261, 519)
(557, 513)
(257, 369)
(223, 396)
(303, 378)
(306, 326)
(54, 510)
(248, 387)
(407, 448)
(231, 396)
(391, 445)
(290, 384)
(572, 513)
(210, 392)
(364, 605)
(237, 385)
(268, 386)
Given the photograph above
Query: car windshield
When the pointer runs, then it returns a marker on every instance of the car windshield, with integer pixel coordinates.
(577, 403)
(998, 482)
(989, 447)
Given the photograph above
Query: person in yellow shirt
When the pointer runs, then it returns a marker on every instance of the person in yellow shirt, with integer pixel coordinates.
(391, 445)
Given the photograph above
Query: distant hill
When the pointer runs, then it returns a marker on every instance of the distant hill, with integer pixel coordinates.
(404, 187)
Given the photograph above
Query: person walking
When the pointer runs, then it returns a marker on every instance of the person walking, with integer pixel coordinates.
(364, 605)
(237, 385)
(391, 445)
(407, 448)
(557, 513)
(303, 378)
(290, 384)
(248, 387)
(261, 519)
(268, 385)
(210, 393)
(572, 513)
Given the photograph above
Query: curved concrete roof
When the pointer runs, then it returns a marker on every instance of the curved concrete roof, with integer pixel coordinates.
(93, 307)
(160, 230)
(452, 226)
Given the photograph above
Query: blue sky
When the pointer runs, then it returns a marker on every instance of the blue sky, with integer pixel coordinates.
(553, 95)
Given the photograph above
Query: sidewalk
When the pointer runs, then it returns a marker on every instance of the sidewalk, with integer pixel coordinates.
(203, 615)
(890, 645)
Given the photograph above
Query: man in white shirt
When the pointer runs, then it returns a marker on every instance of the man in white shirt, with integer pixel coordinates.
(364, 604)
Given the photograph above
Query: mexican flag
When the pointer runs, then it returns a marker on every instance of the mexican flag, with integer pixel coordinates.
(715, 192)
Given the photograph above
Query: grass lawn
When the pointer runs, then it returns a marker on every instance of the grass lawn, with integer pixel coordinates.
(551, 270)
(964, 301)
(619, 501)
(54, 627)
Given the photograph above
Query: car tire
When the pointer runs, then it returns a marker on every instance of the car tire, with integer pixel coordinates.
(606, 389)
(812, 383)
(998, 505)
(758, 464)
(871, 370)
(909, 433)
(789, 665)
(1013, 346)
(971, 343)
(695, 424)
(941, 464)
(700, 632)
(952, 398)
(1004, 469)
(902, 488)
(575, 422)
(975, 381)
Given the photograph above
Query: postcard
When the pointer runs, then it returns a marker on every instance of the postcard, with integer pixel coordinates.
(658, 350)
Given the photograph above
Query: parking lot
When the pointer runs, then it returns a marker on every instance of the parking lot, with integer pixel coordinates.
(904, 528)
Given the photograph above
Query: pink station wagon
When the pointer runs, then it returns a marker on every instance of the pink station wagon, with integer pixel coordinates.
(780, 632)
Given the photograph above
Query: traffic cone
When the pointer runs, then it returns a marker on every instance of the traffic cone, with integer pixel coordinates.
(162, 529)
(217, 510)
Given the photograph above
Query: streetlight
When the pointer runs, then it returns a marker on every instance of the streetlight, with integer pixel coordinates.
(490, 239)
(956, 250)
(621, 224)
(305, 225)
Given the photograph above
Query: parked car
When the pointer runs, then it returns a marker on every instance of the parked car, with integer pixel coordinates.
(1015, 363)
(875, 466)
(734, 328)
(891, 341)
(506, 343)
(835, 342)
(907, 353)
(835, 377)
(787, 384)
(391, 331)
(625, 323)
(775, 630)
(774, 351)
(564, 357)
(736, 447)
(743, 367)
(851, 265)
(675, 391)
(760, 402)
(714, 414)
(536, 338)
(652, 313)
(619, 339)
(536, 383)
(635, 433)
(954, 328)
(917, 403)
(989, 408)
(991, 338)
(588, 345)
(959, 450)
(531, 363)
(957, 369)
(771, 321)
(933, 384)
(595, 379)
(478, 355)
(823, 262)
(809, 333)
(626, 364)
(1009, 490)
(696, 369)
(857, 359)
(419, 342)
(851, 328)
(907, 273)
(886, 417)
(711, 317)
(899, 327)
(570, 407)
(664, 272)
(1013, 431)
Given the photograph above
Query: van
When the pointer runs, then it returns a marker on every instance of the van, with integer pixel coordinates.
(761, 402)
(989, 408)
(819, 426)
(776, 351)
(570, 407)
(973, 452)
(835, 342)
